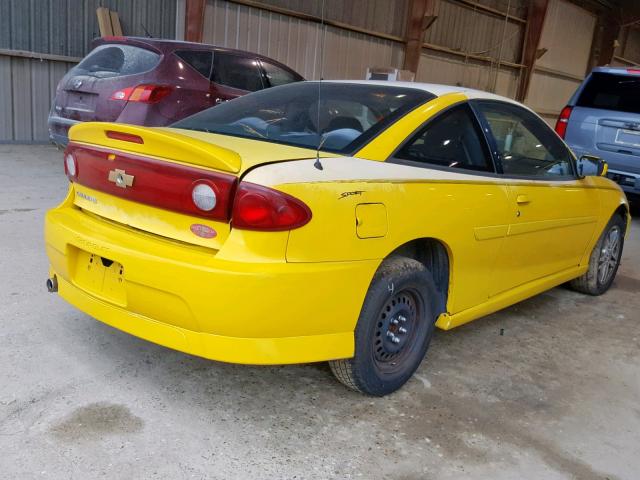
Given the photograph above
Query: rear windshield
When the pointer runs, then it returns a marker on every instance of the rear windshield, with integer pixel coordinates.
(338, 117)
(117, 60)
(611, 92)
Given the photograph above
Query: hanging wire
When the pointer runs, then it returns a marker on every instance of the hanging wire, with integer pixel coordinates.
(504, 33)
(317, 163)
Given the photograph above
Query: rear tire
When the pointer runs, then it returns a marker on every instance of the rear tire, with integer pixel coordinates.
(604, 260)
(394, 329)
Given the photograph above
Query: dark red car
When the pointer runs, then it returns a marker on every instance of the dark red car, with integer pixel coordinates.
(146, 81)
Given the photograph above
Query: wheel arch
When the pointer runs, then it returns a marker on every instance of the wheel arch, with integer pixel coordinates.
(436, 256)
(623, 211)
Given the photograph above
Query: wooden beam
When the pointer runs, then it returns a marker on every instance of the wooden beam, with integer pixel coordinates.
(535, 20)
(493, 11)
(421, 14)
(194, 20)
(603, 48)
(104, 21)
(38, 56)
(473, 56)
(312, 18)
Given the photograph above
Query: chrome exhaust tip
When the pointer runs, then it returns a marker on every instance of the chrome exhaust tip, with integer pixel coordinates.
(52, 284)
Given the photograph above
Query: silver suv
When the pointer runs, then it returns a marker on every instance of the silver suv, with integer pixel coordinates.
(603, 119)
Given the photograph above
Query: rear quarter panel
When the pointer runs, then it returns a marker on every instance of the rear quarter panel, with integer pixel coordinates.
(468, 214)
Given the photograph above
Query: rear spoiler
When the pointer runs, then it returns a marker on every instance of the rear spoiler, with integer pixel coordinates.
(135, 41)
(155, 142)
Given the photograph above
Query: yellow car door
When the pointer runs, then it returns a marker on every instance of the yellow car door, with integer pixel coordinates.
(552, 211)
(451, 150)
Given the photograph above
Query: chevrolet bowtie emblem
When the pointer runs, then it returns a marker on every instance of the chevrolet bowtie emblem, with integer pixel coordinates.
(120, 178)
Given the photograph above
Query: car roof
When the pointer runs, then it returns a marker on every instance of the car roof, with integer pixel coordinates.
(164, 45)
(436, 89)
(618, 70)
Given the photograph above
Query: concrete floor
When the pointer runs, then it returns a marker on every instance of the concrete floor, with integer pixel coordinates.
(555, 397)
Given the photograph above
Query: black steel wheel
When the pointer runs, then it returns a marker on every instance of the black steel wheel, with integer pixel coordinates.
(394, 329)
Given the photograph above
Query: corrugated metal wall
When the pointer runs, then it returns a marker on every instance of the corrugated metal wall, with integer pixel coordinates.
(385, 16)
(59, 27)
(297, 42)
(567, 35)
(479, 48)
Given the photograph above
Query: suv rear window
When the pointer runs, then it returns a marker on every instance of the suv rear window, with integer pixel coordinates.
(611, 92)
(111, 60)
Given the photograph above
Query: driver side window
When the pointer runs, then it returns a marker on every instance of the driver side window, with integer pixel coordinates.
(525, 144)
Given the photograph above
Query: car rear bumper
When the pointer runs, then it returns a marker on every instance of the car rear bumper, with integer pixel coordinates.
(59, 129)
(629, 182)
(181, 297)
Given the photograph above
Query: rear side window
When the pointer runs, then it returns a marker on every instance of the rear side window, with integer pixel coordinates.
(451, 140)
(201, 61)
(277, 76)
(611, 92)
(237, 72)
(117, 60)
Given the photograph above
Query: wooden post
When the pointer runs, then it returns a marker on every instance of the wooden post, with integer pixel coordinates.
(608, 41)
(533, 32)
(420, 16)
(194, 20)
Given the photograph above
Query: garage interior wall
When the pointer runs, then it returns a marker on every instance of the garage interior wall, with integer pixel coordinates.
(41, 40)
(567, 36)
(472, 43)
(296, 41)
(475, 44)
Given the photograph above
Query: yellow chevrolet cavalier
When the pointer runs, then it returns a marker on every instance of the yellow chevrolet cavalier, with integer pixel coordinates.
(337, 221)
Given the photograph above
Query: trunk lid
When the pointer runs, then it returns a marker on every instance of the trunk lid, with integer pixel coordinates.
(158, 168)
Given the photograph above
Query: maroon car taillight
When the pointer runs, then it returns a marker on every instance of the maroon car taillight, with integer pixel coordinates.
(171, 186)
(142, 93)
(563, 121)
(260, 208)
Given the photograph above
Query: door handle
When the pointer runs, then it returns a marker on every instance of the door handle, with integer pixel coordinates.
(522, 199)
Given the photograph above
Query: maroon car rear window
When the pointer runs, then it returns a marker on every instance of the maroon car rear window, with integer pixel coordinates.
(112, 60)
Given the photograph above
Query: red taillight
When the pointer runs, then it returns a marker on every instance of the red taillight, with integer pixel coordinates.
(633, 70)
(142, 93)
(563, 121)
(166, 185)
(261, 208)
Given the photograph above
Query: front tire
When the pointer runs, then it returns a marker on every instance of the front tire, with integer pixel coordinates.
(604, 260)
(394, 329)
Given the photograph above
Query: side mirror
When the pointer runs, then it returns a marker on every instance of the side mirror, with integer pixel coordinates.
(591, 166)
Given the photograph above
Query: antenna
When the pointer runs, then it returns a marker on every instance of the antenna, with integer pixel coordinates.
(317, 163)
(146, 31)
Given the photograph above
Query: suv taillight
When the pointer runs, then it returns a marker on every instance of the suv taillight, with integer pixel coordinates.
(563, 121)
(142, 93)
(260, 208)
